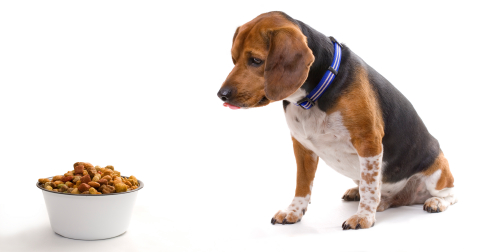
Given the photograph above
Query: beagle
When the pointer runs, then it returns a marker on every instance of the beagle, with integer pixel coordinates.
(341, 110)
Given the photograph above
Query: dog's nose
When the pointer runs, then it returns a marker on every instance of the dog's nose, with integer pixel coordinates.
(225, 93)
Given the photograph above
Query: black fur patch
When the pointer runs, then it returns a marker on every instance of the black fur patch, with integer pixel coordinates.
(285, 104)
(408, 146)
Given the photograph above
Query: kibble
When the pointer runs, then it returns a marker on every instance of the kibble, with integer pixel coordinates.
(67, 178)
(57, 177)
(108, 189)
(121, 187)
(94, 184)
(108, 172)
(70, 173)
(88, 179)
(91, 171)
(92, 191)
(96, 177)
(103, 181)
(43, 180)
(83, 187)
(76, 179)
(63, 188)
(79, 168)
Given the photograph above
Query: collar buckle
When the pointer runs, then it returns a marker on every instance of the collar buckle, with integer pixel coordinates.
(332, 70)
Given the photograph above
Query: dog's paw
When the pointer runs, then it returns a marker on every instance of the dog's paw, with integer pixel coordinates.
(288, 217)
(351, 194)
(294, 213)
(435, 205)
(358, 221)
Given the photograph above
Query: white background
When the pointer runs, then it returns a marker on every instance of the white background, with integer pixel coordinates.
(134, 84)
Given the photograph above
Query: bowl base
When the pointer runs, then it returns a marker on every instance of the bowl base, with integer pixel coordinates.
(91, 239)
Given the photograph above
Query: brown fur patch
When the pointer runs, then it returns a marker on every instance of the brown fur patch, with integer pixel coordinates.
(362, 115)
(368, 177)
(306, 162)
(288, 62)
(286, 58)
(446, 180)
(371, 165)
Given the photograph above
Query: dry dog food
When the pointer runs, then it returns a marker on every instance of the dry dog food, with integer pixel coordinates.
(88, 179)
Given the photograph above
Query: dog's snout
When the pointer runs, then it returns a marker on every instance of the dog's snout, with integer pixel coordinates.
(225, 93)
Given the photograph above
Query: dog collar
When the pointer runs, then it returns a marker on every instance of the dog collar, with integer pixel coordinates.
(330, 74)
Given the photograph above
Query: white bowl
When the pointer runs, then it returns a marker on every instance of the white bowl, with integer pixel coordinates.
(90, 217)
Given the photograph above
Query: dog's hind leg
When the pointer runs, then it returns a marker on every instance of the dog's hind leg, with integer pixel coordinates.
(440, 184)
(306, 161)
(352, 194)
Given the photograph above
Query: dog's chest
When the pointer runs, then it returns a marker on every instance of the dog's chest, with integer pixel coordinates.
(326, 136)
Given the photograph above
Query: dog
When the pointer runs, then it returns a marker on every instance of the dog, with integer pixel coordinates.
(341, 110)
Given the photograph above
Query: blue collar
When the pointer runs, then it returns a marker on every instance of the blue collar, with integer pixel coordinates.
(312, 97)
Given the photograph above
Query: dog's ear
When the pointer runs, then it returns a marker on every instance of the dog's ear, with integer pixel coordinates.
(235, 35)
(288, 62)
(233, 42)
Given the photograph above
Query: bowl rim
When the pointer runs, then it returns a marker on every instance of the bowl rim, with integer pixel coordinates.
(141, 185)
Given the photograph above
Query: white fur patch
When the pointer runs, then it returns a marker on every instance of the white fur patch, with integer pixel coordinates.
(299, 203)
(391, 189)
(447, 194)
(326, 136)
(370, 184)
(297, 207)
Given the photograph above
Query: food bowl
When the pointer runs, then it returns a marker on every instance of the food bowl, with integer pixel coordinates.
(90, 217)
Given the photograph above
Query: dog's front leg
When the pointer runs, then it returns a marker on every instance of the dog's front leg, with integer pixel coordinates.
(370, 161)
(306, 162)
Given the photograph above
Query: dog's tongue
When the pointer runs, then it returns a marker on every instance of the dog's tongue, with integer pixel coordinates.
(230, 106)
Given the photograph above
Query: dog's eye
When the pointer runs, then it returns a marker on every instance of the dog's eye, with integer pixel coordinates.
(255, 61)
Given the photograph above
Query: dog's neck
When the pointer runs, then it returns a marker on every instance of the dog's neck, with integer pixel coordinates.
(322, 49)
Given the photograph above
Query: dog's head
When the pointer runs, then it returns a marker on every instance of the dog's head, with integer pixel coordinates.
(271, 59)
